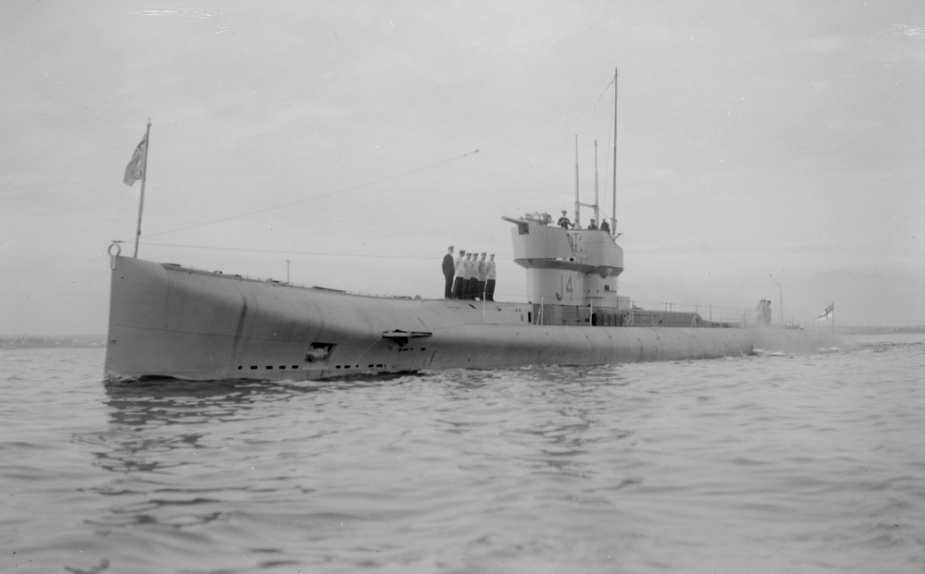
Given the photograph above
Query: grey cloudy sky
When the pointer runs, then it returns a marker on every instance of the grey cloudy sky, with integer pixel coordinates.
(756, 139)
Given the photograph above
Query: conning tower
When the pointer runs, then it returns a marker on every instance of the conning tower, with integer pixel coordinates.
(576, 268)
(572, 273)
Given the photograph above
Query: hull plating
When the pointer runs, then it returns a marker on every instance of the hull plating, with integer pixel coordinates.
(171, 321)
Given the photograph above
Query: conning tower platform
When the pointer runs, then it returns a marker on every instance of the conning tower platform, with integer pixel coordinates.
(573, 268)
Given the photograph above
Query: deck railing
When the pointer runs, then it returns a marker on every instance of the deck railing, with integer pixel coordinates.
(719, 314)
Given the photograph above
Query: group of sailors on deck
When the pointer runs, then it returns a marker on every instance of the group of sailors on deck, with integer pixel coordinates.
(469, 276)
(566, 224)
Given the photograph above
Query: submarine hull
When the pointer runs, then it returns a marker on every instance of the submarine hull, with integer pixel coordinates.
(171, 321)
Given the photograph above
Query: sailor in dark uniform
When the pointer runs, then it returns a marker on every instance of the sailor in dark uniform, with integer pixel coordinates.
(448, 269)
(564, 222)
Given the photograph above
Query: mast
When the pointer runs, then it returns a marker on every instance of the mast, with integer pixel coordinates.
(577, 200)
(597, 215)
(614, 203)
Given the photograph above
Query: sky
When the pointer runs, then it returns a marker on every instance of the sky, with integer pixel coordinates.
(765, 150)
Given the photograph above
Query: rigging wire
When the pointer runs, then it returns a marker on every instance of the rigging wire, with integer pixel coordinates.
(316, 197)
(283, 251)
(603, 93)
(344, 190)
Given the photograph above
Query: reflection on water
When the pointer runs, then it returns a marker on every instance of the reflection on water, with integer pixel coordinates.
(168, 401)
(306, 458)
(168, 440)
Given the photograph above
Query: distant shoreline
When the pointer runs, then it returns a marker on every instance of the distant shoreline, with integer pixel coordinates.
(99, 341)
(45, 342)
(851, 330)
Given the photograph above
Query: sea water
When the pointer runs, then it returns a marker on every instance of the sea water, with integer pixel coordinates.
(762, 463)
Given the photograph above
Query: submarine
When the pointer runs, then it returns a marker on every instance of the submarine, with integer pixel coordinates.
(168, 320)
(179, 322)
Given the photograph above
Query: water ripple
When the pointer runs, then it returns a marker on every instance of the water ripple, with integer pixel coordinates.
(782, 463)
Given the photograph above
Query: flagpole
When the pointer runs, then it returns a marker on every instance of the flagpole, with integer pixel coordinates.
(144, 177)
